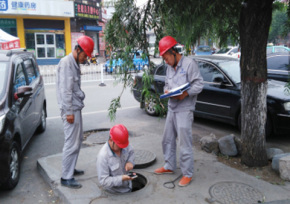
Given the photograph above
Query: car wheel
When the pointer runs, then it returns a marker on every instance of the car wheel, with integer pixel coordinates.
(150, 104)
(268, 128)
(14, 167)
(41, 128)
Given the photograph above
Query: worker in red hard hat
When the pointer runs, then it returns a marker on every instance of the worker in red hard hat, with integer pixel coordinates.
(70, 101)
(115, 160)
(180, 70)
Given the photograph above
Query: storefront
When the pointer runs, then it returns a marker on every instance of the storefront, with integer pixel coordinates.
(43, 27)
(86, 23)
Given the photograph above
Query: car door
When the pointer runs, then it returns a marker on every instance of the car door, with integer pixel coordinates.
(24, 105)
(219, 97)
(36, 97)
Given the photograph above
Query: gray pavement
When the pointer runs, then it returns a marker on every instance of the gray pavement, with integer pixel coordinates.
(213, 181)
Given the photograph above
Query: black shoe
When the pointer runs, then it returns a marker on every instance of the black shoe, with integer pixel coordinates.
(70, 183)
(78, 172)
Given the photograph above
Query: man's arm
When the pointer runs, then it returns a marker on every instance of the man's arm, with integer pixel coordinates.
(66, 90)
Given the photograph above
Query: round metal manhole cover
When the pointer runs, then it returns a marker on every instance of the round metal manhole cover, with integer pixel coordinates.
(96, 137)
(234, 192)
(143, 158)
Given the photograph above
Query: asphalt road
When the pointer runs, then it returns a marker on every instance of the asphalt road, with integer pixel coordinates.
(32, 187)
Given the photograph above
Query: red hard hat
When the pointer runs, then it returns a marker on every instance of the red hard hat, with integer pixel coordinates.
(166, 43)
(120, 135)
(87, 44)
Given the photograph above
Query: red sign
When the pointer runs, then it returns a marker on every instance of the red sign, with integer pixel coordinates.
(10, 45)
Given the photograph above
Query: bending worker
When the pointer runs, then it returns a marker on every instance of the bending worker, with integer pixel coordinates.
(115, 160)
(179, 119)
(70, 100)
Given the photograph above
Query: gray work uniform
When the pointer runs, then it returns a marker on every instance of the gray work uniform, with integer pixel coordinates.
(111, 167)
(70, 101)
(179, 118)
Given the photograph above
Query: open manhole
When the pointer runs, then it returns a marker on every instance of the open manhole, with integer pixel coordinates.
(139, 182)
(235, 192)
(143, 158)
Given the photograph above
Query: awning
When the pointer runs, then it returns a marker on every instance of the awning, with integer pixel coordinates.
(8, 42)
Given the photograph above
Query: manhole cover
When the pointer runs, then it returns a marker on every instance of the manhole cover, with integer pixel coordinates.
(143, 158)
(234, 192)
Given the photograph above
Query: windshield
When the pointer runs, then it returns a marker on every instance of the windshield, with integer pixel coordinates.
(223, 50)
(203, 49)
(3, 77)
(232, 69)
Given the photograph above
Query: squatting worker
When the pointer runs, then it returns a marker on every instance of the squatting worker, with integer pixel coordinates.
(115, 160)
(178, 125)
(70, 100)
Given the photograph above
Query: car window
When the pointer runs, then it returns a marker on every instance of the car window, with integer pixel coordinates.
(232, 69)
(223, 50)
(210, 73)
(269, 50)
(279, 62)
(203, 49)
(235, 50)
(138, 55)
(161, 70)
(3, 78)
(30, 70)
(19, 79)
(280, 49)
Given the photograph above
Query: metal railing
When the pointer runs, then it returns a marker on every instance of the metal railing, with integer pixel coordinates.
(88, 73)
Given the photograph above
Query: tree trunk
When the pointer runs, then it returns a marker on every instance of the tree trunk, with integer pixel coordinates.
(255, 20)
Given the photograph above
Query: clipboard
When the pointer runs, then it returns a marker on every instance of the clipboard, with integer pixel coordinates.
(176, 91)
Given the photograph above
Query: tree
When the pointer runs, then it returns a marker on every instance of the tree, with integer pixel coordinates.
(246, 21)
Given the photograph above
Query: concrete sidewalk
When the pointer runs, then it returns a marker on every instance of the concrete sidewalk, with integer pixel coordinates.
(213, 181)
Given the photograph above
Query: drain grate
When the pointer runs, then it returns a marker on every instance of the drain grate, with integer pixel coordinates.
(143, 158)
(235, 192)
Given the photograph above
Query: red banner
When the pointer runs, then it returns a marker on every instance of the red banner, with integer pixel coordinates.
(10, 45)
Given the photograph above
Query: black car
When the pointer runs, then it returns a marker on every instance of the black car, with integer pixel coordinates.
(220, 99)
(22, 110)
(278, 65)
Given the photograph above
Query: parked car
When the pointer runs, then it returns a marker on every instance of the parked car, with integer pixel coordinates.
(220, 99)
(278, 65)
(229, 51)
(203, 50)
(22, 110)
(274, 49)
(117, 63)
(180, 49)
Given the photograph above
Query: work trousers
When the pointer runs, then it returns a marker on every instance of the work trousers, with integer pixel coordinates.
(73, 137)
(178, 126)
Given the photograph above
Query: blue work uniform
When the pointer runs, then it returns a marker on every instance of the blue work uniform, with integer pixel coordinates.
(70, 101)
(111, 167)
(179, 118)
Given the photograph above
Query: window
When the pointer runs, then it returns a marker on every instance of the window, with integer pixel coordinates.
(210, 73)
(19, 77)
(30, 69)
(3, 78)
(161, 70)
(279, 62)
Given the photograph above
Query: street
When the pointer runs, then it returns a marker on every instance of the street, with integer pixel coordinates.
(33, 189)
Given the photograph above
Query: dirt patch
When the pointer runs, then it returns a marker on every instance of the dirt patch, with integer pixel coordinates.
(265, 173)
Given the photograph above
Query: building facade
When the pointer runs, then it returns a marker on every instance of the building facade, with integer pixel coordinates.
(43, 27)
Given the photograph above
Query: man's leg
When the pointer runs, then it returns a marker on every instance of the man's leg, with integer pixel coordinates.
(73, 139)
(169, 141)
(184, 127)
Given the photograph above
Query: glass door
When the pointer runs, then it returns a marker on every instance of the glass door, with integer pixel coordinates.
(45, 45)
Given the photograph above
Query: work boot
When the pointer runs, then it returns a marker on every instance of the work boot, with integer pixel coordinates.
(162, 171)
(184, 181)
(70, 183)
(78, 172)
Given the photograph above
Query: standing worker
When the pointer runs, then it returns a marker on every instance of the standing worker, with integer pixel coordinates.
(115, 160)
(70, 100)
(180, 70)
